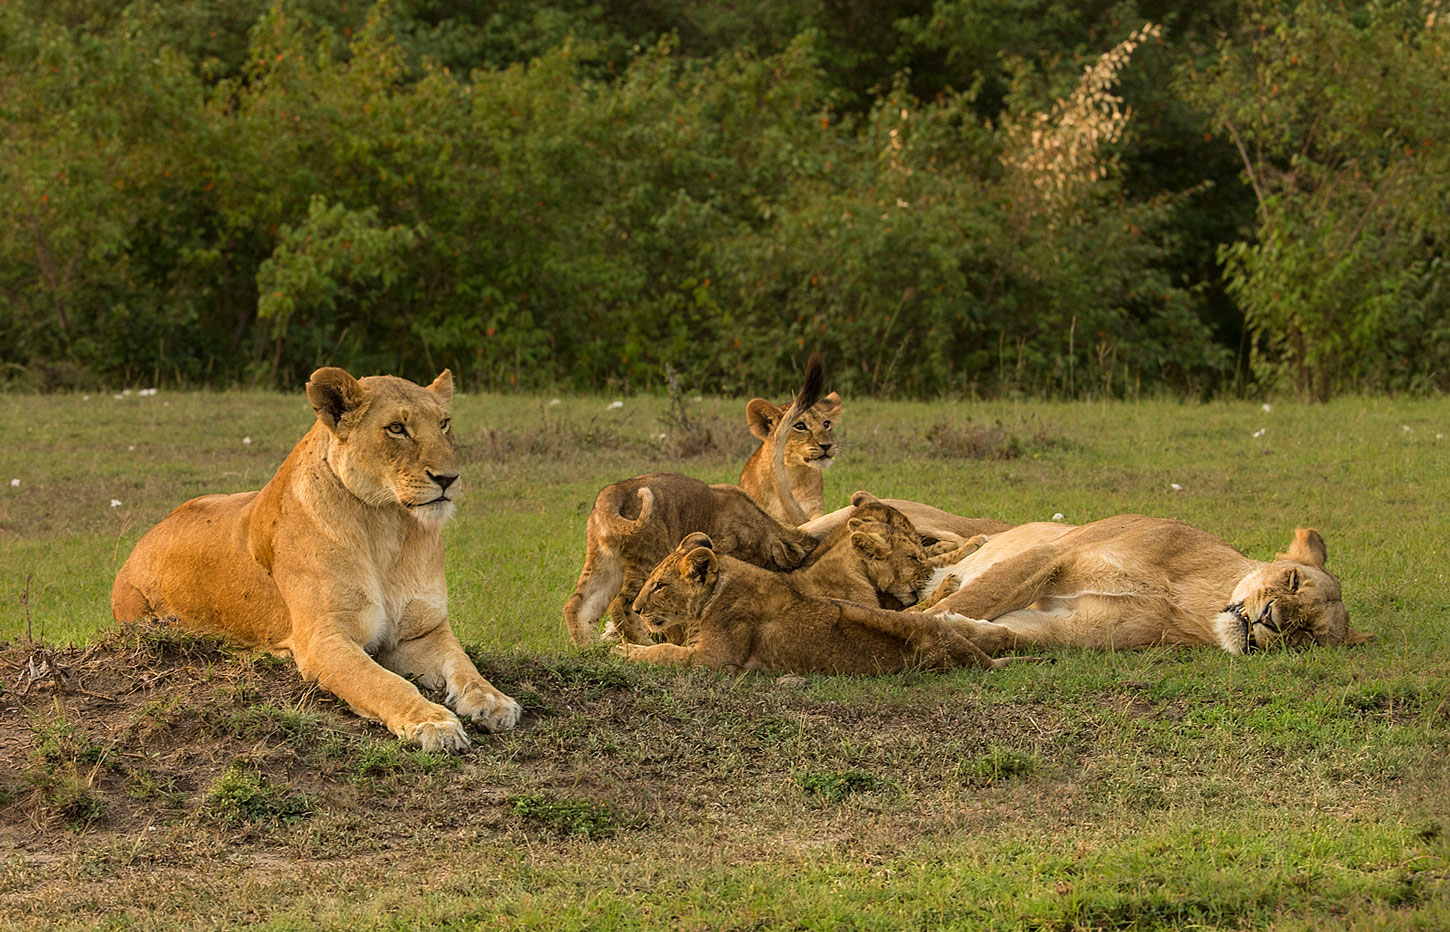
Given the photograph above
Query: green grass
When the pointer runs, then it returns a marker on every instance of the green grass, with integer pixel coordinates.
(1148, 790)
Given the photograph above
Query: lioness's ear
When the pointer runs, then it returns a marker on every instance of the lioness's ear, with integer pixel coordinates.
(443, 386)
(696, 539)
(830, 405)
(699, 564)
(1358, 637)
(1308, 548)
(869, 545)
(761, 415)
(863, 498)
(333, 393)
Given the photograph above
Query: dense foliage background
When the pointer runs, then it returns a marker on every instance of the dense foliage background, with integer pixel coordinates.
(947, 196)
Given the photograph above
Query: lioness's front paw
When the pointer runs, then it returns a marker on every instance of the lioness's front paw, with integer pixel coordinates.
(488, 707)
(438, 735)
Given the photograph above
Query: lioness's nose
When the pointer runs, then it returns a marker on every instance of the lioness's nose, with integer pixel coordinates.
(444, 479)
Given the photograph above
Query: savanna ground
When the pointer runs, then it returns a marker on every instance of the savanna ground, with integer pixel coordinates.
(157, 780)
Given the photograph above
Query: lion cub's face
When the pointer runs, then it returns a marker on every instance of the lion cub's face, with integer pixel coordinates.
(1293, 601)
(680, 585)
(392, 440)
(812, 438)
(890, 551)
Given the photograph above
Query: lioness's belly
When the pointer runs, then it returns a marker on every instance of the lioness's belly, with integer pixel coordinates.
(195, 565)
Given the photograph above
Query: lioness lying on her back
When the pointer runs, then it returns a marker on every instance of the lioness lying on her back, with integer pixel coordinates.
(1134, 581)
(741, 616)
(338, 559)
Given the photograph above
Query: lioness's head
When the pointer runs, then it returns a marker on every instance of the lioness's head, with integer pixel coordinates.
(680, 585)
(1293, 601)
(812, 438)
(390, 440)
(889, 548)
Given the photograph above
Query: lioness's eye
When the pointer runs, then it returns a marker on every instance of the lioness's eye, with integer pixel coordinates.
(397, 429)
(447, 423)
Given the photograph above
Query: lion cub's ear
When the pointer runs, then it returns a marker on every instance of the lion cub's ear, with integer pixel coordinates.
(696, 539)
(333, 394)
(870, 545)
(761, 415)
(443, 386)
(699, 565)
(863, 498)
(1308, 548)
(830, 406)
(787, 554)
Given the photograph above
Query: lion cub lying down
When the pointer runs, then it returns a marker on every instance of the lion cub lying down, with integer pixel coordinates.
(1134, 581)
(741, 616)
(338, 559)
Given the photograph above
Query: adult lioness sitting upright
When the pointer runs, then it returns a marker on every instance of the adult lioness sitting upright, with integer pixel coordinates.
(338, 559)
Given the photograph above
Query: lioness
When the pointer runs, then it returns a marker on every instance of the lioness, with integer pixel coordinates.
(338, 559)
(741, 616)
(1133, 581)
(636, 521)
(810, 447)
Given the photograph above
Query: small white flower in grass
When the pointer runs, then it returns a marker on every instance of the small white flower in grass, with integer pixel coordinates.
(1261, 431)
(14, 483)
(247, 441)
(1405, 428)
(131, 447)
(1439, 436)
(659, 436)
(126, 391)
(1267, 407)
(1175, 487)
(554, 401)
(1059, 516)
(115, 503)
(85, 398)
(699, 398)
(615, 404)
(118, 397)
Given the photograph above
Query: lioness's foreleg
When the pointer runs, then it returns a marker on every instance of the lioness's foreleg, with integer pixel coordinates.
(340, 666)
(439, 661)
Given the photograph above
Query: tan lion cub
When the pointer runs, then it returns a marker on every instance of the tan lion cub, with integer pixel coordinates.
(337, 560)
(636, 521)
(744, 617)
(809, 448)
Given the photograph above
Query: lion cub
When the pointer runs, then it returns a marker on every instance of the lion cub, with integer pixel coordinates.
(337, 560)
(810, 447)
(636, 521)
(741, 616)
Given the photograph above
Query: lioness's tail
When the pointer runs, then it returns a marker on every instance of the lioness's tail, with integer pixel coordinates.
(810, 393)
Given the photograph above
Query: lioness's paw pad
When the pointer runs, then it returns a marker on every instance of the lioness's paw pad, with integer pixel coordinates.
(437, 736)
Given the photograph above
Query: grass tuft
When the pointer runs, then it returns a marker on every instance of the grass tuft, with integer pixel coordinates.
(567, 816)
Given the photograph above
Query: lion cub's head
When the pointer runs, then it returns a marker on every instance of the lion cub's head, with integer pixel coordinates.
(889, 548)
(812, 438)
(680, 585)
(391, 443)
(1292, 601)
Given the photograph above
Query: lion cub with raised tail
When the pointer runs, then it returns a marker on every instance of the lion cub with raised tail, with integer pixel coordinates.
(739, 616)
(337, 560)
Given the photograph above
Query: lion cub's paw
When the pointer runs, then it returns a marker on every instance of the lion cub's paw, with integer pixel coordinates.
(629, 651)
(488, 707)
(442, 735)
